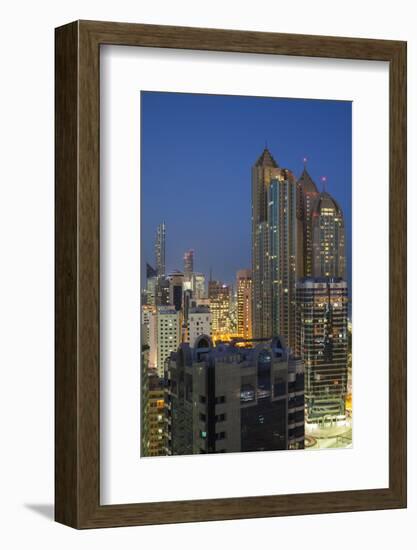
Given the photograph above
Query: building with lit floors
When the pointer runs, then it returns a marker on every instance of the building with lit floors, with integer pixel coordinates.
(263, 171)
(163, 291)
(230, 398)
(219, 296)
(160, 250)
(322, 343)
(168, 335)
(146, 317)
(276, 257)
(244, 303)
(328, 238)
(284, 256)
(149, 293)
(188, 264)
(306, 195)
(153, 416)
(176, 289)
(198, 282)
(198, 323)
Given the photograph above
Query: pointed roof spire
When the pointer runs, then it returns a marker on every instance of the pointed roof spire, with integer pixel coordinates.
(306, 180)
(266, 159)
(324, 181)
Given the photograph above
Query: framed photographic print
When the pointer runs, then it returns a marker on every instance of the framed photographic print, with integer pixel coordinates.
(230, 274)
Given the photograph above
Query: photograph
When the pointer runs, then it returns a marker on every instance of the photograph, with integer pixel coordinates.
(246, 274)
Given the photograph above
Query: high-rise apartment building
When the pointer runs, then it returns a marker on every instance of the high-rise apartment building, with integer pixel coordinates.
(306, 195)
(149, 294)
(232, 399)
(322, 343)
(276, 258)
(198, 323)
(283, 255)
(244, 303)
(160, 250)
(168, 335)
(153, 340)
(219, 296)
(176, 289)
(198, 286)
(162, 291)
(263, 171)
(188, 264)
(328, 233)
(146, 316)
(153, 416)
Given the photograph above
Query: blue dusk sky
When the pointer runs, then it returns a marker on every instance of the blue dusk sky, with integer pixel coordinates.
(196, 158)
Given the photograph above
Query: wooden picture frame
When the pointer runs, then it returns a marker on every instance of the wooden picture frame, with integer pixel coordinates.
(77, 403)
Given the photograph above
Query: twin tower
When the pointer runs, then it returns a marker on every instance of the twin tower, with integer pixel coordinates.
(297, 232)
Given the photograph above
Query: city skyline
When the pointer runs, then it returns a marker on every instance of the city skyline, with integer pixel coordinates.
(247, 334)
(192, 133)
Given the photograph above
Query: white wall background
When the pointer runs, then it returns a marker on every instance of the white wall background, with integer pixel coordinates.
(26, 275)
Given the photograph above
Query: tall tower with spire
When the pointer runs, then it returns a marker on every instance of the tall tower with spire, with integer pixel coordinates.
(275, 253)
(306, 195)
(263, 171)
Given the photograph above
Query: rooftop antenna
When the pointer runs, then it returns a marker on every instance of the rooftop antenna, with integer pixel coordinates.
(324, 182)
(211, 274)
(305, 159)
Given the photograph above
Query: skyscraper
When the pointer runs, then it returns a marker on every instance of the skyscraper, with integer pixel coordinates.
(147, 312)
(168, 335)
(176, 283)
(284, 257)
(160, 250)
(150, 292)
(199, 286)
(276, 257)
(322, 343)
(244, 303)
(219, 296)
(188, 263)
(162, 291)
(263, 171)
(306, 195)
(328, 238)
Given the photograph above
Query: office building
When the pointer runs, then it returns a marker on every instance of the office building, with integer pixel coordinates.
(263, 171)
(146, 316)
(219, 296)
(232, 399)
(328, 232)
(276, 258)
(176, 289)
(188, 264)
(153, 416)
(160, 250)
(168, 335)
(284, 257)
(162, 292)
(149, 294)
(198, 286)
(244, 303)
(306, 195)
(322, 343)
(198, 323)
